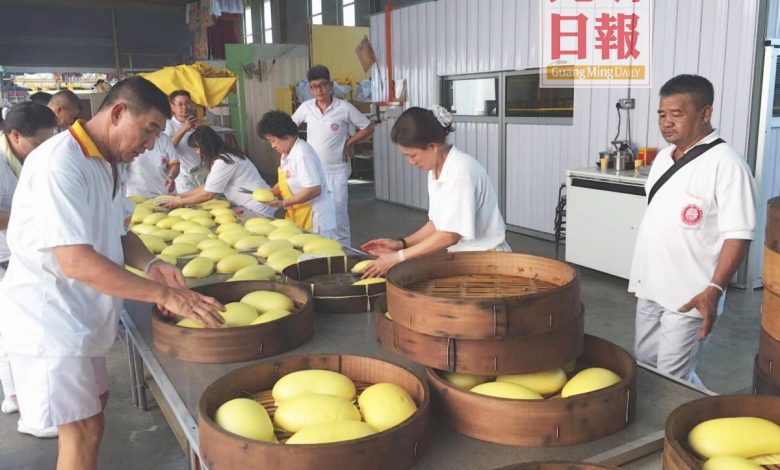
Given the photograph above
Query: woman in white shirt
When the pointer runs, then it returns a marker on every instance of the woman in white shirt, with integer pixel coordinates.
(463, 208)
(230, 173)
(302, 187)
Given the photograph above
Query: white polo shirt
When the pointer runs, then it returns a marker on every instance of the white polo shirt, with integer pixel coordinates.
(303, 170)
(146, 175)
(228, 177)
(463, 201)
(328, 132)
(709, 200)
(65, 197)
(8, 181)
(186, 155)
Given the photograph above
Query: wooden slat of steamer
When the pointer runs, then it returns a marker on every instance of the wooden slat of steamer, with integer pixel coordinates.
(511, 355)
(556, 466)
(396, 448)
(337, 297)
(772, 233)
(769, 355)
(770, 314)
(225, 345)
(677, 454)
(546, 423)
(762, 384)
(488, 316)
(770, 274)
(476, 286)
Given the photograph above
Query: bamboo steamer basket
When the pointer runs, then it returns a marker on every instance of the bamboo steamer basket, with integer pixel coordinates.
(770, 314)
(772, 233)
(510, 355)
(762, 383)
(678, 455)
(483, 295)
(556, 466)
(770, 274)
(223, 345)
(769, 356)
(553, 422)
(330, 282)
(399, 447)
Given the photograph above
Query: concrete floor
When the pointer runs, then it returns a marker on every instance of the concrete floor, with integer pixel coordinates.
(136, 439)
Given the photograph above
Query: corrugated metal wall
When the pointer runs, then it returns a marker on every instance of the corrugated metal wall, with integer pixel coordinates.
(773, 19)
(714, 38)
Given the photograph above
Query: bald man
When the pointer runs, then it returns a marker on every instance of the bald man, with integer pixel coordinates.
(66, 107)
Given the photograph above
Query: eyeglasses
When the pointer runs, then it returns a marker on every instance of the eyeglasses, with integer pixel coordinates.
(319, 86)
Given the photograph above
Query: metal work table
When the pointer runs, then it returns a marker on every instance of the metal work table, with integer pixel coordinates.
(177, 386)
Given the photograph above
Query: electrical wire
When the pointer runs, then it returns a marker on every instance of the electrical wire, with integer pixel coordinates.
(614, 141)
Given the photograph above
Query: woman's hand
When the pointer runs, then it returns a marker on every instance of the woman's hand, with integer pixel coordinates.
(381, 265)
(171, 203)
(381, 246)
(274, 203)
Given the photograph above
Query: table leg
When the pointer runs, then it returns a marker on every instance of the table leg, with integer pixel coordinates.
(140, 380)
(131, 361)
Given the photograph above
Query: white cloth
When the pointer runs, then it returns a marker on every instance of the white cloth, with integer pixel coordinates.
(338, 181)
(8, 182)
(228, 177)
(186, 155)
(669, 340)
(146, 175)
(53, 391)
(6, 379)
(63, 198)
(463, 201)
(304, 170)
(708, 201)
(328, 132)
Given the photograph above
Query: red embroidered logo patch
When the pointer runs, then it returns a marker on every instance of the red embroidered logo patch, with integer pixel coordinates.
(334, 127)
(691, 214)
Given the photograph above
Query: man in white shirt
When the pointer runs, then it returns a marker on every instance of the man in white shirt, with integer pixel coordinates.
(328, 121)
(28, 125)
(153, 173)
(178, 128)
(694, 234)
(61, 296)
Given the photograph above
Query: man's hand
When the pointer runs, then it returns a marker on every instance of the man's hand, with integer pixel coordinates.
(199, 308)
(190, 123)
(167, 274)
(171, 203)
(381, 265)
(381, 246)
(706, 302)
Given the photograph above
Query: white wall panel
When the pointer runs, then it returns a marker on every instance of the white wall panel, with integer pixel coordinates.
(773, 19)
(534, 173)
(714, 38)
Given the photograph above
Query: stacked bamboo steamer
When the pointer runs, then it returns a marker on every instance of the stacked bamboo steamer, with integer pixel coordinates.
(767, 367)
(492, 313)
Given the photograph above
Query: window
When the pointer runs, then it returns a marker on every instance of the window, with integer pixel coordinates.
(248, 36)
(316, 11)
(471, 96)
(348, 13)
(524, 98)
(268, 31)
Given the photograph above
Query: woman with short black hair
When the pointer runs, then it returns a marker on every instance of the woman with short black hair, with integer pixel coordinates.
(463, 208)
(302, 187)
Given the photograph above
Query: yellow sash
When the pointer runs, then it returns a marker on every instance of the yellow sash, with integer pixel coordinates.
(300, 214)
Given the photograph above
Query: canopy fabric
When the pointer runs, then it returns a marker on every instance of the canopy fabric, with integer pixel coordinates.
(205, 91)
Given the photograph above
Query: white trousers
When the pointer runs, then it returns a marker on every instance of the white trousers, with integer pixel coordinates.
(669, 340)
(6, 379)
(338, 183)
